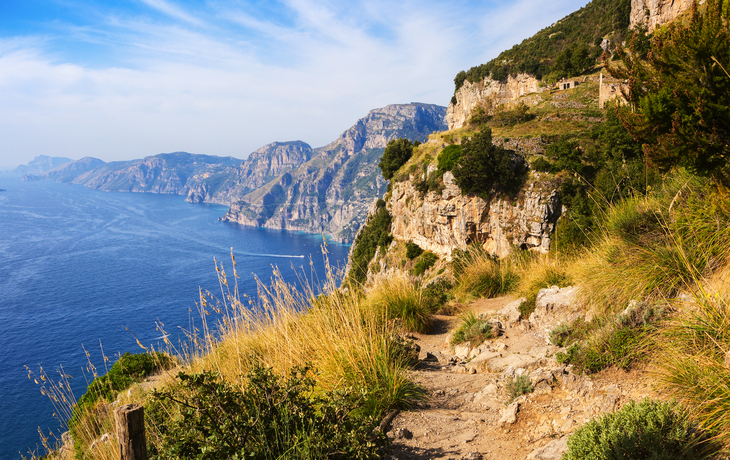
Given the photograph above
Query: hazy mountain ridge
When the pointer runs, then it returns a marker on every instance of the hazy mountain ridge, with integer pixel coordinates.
(41, 164)
(287, 185)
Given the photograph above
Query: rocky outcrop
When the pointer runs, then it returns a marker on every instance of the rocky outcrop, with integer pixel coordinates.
(41, 164)
(654, 13)
(331, 192)
(443, 222)
(471, 95)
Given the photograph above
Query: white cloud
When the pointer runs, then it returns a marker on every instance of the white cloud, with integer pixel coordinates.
(242, 81)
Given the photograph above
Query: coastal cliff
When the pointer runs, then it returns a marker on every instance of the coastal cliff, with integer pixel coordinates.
(443, 222)
(331, 192)
(470, 95)
(654, 13)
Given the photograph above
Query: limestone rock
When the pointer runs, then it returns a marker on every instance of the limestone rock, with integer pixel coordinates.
(554, 306)
(511, 312)
(554, 450)
(654, 13)
(509, 414)
(443, 222)
(470, 95)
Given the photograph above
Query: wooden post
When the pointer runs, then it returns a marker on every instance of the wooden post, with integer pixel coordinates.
(130, 432)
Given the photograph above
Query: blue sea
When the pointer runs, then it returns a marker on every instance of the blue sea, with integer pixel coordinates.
(81, 267)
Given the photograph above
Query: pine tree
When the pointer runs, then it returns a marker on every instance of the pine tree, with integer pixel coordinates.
(681, 97)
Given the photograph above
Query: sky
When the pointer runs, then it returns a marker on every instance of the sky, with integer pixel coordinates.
(125, 79)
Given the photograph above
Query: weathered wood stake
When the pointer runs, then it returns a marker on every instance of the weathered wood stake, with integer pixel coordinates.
(130, 432)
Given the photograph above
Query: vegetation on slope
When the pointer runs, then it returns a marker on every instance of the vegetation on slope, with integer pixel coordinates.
(568, 47)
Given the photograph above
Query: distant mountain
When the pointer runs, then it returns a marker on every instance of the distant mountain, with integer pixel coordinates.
(170, 173)
(67, 171)
(41, 164)
(287, 185)
(331, 188)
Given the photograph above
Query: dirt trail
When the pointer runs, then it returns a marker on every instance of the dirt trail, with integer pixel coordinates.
(468, 416)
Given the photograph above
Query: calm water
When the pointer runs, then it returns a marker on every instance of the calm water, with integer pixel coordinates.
(78, 266)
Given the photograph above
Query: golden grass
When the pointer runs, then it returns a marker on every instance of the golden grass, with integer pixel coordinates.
(350, 344)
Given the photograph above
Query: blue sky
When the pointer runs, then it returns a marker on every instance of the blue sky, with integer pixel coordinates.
(125, 79)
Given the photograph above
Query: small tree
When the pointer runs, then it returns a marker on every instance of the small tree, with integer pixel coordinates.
(396, 154)
(681, 100)
(484, 167)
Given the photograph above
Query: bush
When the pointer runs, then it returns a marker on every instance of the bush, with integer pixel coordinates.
(375, 233)
(399, 299)
(482, 275)
(519, 386)
(89, 411)
(484, 167)
(540, 164)
(473, 330)
(448, 158)
(395, 155)
(647, 430)
(427, 260)
(413, 250)
(436, 294)
(267, 417)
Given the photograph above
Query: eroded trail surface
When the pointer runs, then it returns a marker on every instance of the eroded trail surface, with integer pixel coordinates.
(469, 414)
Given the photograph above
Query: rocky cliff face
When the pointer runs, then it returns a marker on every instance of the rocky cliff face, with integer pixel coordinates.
(331, 192)
(472, 94)
(261, 167)
(443, 222)
(654, 13)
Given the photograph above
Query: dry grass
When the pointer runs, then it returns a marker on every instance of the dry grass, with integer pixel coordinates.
(694, 360)
(350, 344)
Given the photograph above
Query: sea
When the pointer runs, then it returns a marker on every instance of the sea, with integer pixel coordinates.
(83, 270)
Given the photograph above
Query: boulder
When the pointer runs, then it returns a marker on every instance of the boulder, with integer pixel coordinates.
(553, 450)
(509, 414)
(554, 306)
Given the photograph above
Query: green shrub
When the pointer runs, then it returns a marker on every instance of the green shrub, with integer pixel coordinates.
(268, 417)
(448, 158)
(647, 430)
(426, 261)
(436, 294)
(375, 232)
(473, 330)
(485, 167)
(560, 335)
(540, 164)
(129, 368)
(518, 386)
(395, 155)
(413, 250)
(610, 346)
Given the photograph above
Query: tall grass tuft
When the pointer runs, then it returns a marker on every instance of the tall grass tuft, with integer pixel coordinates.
(654, 247)
(353, 347)
(396, 297)
(694, 361)
(480, 274)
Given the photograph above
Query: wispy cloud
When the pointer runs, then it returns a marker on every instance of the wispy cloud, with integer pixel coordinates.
(229, 77)
(173, 11)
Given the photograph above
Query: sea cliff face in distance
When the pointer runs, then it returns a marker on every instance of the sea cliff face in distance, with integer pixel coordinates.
(283, 185)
